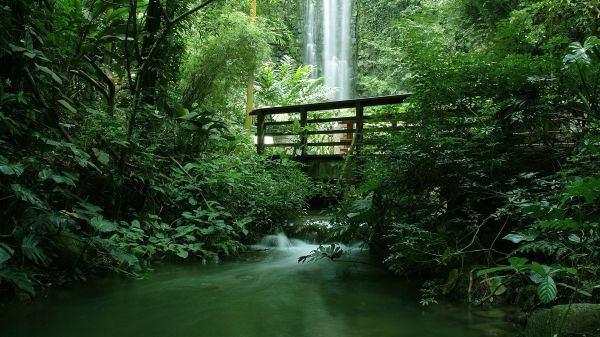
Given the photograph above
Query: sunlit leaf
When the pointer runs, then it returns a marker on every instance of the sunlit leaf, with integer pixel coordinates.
(67, 105)
(103, 225)
(547, 291)
(521, 236)
(102, 156)
(49, 72)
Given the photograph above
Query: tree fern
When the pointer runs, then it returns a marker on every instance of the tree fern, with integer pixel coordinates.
(555, 248)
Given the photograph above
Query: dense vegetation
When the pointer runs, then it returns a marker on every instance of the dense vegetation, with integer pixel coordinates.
(122, 144)
(121, 138)
(497, 162)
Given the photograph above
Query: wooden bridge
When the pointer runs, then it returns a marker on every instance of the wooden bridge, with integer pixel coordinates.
(297, 126)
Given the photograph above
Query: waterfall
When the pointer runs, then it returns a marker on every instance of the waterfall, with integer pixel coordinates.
(310, 32)
(335, 50)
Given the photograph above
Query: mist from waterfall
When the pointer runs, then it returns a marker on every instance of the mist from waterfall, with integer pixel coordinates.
(330, 20)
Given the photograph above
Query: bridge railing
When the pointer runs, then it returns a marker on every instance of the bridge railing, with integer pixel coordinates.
(355, 123)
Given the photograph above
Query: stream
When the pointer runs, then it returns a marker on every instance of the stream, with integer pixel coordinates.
(265, 293)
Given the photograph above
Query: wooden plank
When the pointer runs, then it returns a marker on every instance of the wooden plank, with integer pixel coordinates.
(332, 119)
(385, 128)
(317, 132)
(319, 120)
(280, 123)
(336, 131)
(282, 145)
(331, 132)
(359, 125)
(321, 157)
(341, 143)
(333, 105)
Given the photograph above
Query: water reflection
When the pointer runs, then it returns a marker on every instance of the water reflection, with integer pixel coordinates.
(267, 293)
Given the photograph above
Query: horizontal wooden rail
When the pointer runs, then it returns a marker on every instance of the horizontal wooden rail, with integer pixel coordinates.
(319, 120)
(333, 105)
(340, 143)
(344, 143)
(354, 124)
(333, 131)
(317, 132)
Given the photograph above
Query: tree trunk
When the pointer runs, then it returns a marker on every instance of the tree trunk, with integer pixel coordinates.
(152, 28)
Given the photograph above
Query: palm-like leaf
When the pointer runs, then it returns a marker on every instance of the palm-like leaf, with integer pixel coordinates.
(31, 250)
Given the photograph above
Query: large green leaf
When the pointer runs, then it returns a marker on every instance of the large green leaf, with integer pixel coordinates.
(67, 105)
(18, 279)
(24, 194)
(494, 270)
(12, 169)
(102, 156)
(49, 72)
(124, 258)
(517, 237)
(65, 178)
(183, 253)
(103, 225)
(517, 262)
(547, 291)
(587, 188)
(5, 253)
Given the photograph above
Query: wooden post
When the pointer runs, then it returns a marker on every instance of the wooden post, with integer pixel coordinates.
(303, 136)
(359, 124)
(260, 133)
(250, 86)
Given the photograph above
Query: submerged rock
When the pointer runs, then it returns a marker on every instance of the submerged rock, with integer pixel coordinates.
(581, 319)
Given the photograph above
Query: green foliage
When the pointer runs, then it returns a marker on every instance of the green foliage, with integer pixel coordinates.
(331, 252)
(252, 187)
(499, 140)
(429, 291)
(221, 62)
(582, 65)
(542, 275)
(288, 84)
(93, 133)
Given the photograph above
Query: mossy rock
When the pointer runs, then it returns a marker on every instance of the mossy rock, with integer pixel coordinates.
(581, 320)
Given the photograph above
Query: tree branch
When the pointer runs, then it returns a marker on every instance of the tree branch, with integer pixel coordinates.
(53, 115)
(190, 12)
(88, 78)
(111, 85)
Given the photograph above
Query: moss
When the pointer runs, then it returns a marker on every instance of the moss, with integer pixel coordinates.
(579, 319)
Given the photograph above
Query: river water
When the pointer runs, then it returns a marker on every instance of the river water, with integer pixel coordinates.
(264, 294)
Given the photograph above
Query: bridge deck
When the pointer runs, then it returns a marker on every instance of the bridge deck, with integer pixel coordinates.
(353, 131)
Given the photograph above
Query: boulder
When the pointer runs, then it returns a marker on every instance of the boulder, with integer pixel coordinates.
(580, 319)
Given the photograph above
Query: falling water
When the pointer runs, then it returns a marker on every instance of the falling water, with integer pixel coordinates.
(310, 32)
(335, 61)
